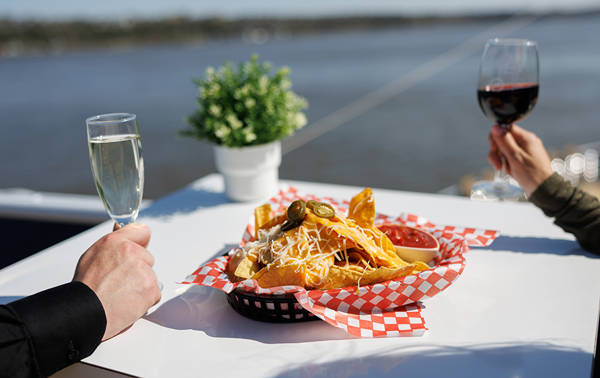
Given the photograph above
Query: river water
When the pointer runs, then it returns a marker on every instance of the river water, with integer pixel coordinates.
(423, 134)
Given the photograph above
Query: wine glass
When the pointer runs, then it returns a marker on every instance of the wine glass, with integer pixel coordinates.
(507, 91)
(115, 150)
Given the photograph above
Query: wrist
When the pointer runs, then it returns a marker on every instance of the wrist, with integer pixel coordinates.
(532, 179)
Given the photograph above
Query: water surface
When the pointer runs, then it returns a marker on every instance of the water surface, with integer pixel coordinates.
(422, 139)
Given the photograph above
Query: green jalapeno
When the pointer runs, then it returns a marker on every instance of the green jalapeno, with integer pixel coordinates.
(324, 210)
(311, 204)
(296, 211)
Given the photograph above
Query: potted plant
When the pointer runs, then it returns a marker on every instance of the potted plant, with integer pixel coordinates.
(245, 112)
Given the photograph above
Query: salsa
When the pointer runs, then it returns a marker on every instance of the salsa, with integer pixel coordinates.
(408, 236)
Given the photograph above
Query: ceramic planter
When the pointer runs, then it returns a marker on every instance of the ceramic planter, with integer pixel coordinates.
(250, 173)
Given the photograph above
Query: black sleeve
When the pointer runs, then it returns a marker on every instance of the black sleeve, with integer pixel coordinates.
(50, 330)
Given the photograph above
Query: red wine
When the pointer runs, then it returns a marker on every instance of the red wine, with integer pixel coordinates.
(507, 103)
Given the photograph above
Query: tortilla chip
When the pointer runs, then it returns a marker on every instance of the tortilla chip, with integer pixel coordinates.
(279, 219)
(241, 266)
(352, 275)
(420, 266)
(362, 208)
(385, 274)
(271, 276)
(340, 276)
(246, 268)
(262, 215)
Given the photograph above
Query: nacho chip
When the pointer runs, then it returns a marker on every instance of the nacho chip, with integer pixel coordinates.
(262, 215)
(277, 220)
(352, 275)
(420, 266)
(385, 274)
(340, 276)
(271, 276)
(362, 208)
(247, 268)
(234, 261)
(242, 266)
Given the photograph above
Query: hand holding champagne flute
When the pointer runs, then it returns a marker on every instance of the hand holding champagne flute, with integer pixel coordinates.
(115, 149)
(507, 92)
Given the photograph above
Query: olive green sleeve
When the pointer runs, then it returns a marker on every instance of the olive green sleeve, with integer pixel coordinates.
(574, 210)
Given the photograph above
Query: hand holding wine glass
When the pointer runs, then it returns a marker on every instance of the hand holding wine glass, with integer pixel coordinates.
(526, 157)
(507, 92)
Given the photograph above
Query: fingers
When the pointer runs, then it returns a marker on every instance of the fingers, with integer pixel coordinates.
(495, 160)
(523, 137)
(506, 143)
(136, 232)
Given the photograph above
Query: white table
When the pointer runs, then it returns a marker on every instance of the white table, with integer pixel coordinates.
(527, 306)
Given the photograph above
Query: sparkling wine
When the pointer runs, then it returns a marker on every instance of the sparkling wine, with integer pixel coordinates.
(118, 169)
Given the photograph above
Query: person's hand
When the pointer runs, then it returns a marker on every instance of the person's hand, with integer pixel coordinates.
(524, 153)
(118, 268)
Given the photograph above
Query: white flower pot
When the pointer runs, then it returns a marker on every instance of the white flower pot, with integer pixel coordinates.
(250, 173)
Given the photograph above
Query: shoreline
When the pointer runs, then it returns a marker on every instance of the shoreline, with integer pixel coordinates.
(34, 37)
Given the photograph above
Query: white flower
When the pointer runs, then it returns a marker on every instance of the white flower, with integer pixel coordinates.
(250, 136)
(284, 71)
(300, 120)
(262, 83)
(285, 84)
(250, 102)
(222, 132)
(215, 110)
(234, 122)
(210, 72)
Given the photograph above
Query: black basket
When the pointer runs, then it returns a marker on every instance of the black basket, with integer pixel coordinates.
(281, 308)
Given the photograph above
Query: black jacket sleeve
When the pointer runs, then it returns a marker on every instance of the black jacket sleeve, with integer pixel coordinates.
(574, 210)
(50, 330)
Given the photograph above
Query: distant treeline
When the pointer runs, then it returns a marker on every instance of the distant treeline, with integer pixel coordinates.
(25, 37)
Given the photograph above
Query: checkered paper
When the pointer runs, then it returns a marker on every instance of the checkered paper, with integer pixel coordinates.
(391, 308)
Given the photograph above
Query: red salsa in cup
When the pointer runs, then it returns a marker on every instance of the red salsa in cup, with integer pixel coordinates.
(408, 236)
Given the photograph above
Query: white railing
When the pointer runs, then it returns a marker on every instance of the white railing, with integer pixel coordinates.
(55, 207)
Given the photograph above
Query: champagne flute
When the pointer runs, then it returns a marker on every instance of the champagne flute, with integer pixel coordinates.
(507, 92)
(115, 149)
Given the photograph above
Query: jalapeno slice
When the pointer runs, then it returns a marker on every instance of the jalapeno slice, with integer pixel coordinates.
(324, 210)
(296, 211)
(311, 204)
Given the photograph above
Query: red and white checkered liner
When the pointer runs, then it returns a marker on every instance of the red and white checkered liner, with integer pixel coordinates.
(389, 308)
